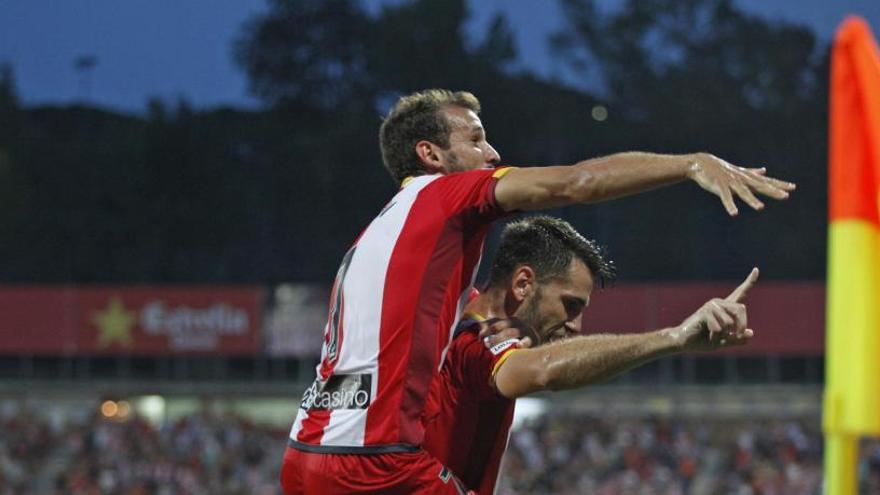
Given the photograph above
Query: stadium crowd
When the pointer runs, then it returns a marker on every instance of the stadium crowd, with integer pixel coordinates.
(559, 454)
(197, 454)
(575, 455)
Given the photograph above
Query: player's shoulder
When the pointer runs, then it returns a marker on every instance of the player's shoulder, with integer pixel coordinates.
(457, 179)
(466, 343)
(477, 174)
(466, 337)
(468, 349)
(473, 363)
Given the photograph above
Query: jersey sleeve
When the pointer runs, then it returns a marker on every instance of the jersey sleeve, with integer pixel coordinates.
(479, 365)
(471, 192)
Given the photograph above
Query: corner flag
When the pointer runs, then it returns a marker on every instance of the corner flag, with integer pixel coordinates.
(852, 386)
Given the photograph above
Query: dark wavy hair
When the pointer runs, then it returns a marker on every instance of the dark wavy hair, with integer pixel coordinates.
(548, 245)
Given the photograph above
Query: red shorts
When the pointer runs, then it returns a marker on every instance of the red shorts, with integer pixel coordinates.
(398, 473)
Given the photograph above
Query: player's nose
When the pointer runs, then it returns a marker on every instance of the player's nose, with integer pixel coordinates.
(491, 155)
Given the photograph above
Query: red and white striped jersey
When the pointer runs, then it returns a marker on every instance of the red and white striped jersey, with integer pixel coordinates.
(397, 296)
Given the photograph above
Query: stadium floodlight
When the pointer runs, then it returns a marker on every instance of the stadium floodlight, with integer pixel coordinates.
(150, 407)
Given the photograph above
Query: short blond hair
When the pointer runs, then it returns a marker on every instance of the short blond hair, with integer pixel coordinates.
(414, 118)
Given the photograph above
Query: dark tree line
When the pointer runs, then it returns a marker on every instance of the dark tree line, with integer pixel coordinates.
(223, 195)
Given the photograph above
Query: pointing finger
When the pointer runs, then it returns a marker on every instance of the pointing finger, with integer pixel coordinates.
(739, 294)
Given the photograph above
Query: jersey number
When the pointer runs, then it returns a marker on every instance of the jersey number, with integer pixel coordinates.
(336, 306)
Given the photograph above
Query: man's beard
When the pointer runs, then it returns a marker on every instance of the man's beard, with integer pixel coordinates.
(454, 163)
(530, 316)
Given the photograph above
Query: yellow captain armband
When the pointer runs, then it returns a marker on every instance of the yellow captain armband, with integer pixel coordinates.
(501, 172)
(500, 362)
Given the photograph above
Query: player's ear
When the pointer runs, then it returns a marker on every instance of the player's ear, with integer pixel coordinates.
(522, 283)
(429, 156)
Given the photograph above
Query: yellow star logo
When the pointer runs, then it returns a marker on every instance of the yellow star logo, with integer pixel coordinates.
(114, 323)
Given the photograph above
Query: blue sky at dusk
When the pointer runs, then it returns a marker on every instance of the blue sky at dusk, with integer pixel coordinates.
(172, 49)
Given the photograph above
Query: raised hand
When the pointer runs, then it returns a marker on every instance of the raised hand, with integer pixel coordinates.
(724, 180)
(719, 322)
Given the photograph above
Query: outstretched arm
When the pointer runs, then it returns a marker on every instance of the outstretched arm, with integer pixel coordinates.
(623, 174)
(579, 361)
(582, 361)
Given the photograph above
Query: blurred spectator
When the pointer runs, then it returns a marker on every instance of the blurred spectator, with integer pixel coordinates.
(198, 454)
(574, 454)
(559, 454)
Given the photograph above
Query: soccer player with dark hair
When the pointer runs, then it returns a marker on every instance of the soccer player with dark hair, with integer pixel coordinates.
(401, 287)
(543, 275)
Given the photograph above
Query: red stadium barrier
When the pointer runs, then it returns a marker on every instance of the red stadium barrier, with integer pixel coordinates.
(788, 318)
(125, 320)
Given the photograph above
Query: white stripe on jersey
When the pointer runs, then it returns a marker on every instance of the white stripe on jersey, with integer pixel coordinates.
(301, 414)
(462, 302)
(363, 292)
(346, 427)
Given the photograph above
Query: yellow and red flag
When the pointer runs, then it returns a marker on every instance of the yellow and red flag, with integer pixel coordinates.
(852, 385)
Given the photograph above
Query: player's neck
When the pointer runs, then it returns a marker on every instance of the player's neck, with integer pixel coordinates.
(489, 304)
